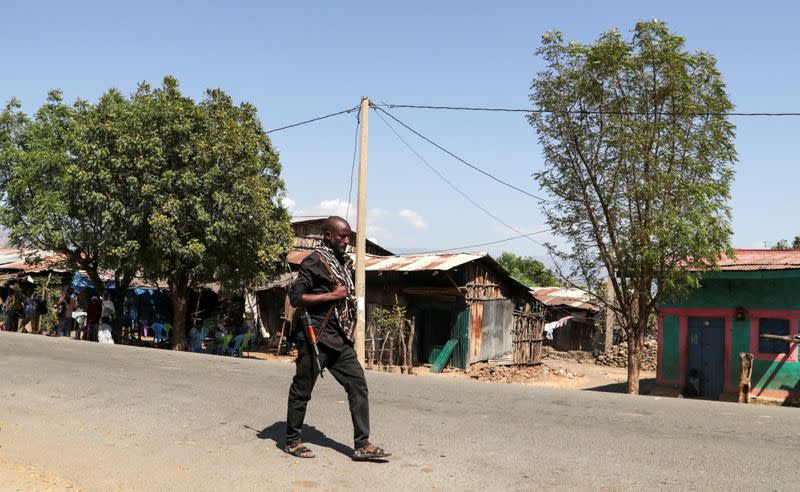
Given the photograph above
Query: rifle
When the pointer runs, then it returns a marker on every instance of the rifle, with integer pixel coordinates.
(312, 339)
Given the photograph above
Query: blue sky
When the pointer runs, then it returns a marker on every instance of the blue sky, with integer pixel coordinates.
(297, 61)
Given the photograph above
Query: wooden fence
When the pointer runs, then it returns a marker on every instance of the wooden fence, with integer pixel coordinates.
(527, 336)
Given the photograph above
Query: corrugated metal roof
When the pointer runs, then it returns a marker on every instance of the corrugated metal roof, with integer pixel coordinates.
(761, 259)
(284, 280)
(413, 263)
(557, 296)
(296, 256)
(14, 259)
(402, 263)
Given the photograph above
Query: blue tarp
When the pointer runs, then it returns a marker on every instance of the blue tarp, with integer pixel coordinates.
(141, 304)
(81, 283)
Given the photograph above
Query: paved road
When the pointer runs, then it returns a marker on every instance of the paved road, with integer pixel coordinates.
(116, 417)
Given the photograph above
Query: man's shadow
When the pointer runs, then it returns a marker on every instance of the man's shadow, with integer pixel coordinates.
(277, 432)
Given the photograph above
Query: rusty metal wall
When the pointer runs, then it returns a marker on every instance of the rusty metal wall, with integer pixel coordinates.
(475, 329)
(496, 329)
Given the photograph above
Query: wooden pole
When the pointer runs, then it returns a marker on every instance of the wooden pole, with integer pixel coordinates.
(608, 338)
(745, 373)
(361, 232)
(782, 338)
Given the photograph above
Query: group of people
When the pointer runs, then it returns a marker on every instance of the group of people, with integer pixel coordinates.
(23, 309)
(99, 316)
(93, 325)
(225, 329)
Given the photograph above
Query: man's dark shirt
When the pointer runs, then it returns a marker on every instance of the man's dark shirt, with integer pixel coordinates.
(314, 278)
(238, 330)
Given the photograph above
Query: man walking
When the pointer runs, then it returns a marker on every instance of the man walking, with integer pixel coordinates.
(324, 289)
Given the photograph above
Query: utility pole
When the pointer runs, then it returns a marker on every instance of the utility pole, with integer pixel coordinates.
(361, 233)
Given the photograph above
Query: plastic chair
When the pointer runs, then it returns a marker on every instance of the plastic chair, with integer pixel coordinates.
(167, 330)
(210, 325)
(244, 345)
(226, 342)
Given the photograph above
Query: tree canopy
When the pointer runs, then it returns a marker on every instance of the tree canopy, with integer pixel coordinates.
(528, 271)
(154, 184)
(638, 166)
(67, 182)
(783, 244)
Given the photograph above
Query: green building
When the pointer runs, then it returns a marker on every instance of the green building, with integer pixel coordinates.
(700, 337)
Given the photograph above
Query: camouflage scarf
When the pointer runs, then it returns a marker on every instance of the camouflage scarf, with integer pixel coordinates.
(344, 310)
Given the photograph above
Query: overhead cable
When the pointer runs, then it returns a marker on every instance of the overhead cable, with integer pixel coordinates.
(575, 111)
(353, 167)
(481, 244)
(313, 120)
(454, 187)
(485, 173)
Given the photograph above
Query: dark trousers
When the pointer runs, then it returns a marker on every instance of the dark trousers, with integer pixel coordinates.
(344, 367)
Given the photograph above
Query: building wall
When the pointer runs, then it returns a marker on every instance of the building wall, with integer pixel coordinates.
(762, 295)
(494, 338)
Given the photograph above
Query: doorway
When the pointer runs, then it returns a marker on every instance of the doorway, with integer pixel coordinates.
(706, 371)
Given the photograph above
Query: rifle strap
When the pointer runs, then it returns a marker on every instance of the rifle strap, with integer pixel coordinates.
(328, 267)
(325, 322)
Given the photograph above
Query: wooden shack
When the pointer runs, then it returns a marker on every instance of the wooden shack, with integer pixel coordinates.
(466, 298)
(463, 297)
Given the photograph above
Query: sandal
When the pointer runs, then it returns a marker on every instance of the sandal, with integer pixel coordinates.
(298, 450)
(370, 452)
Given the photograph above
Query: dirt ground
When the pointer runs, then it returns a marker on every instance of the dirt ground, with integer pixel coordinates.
(552, 373)
(564, 374)
(17, 477)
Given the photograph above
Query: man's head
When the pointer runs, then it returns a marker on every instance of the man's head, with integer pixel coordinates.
(337, 234)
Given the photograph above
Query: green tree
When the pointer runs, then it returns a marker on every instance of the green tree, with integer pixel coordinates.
(153, 184)
(215, 184)
(783, 244)
(66, 187)
(638, 163)
(528, 271)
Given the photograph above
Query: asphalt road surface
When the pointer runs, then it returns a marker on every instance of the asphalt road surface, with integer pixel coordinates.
(99, 417)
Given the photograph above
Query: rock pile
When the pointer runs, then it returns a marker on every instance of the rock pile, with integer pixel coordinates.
(579, 356)
(618, 356)
(514, 374)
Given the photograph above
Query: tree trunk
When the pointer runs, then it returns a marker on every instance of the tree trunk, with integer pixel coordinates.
(403, 352)
(179, 293)
(410, 346)
(119, 309)
(391, 348)
(745, 374)
(371, 358)
(635, 348)
(383, 347)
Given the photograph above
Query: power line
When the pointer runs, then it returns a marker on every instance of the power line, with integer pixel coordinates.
(312, 120)
(485, 173)
(575, 111)
(454, 187)
(353, 167)
(481, 244)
